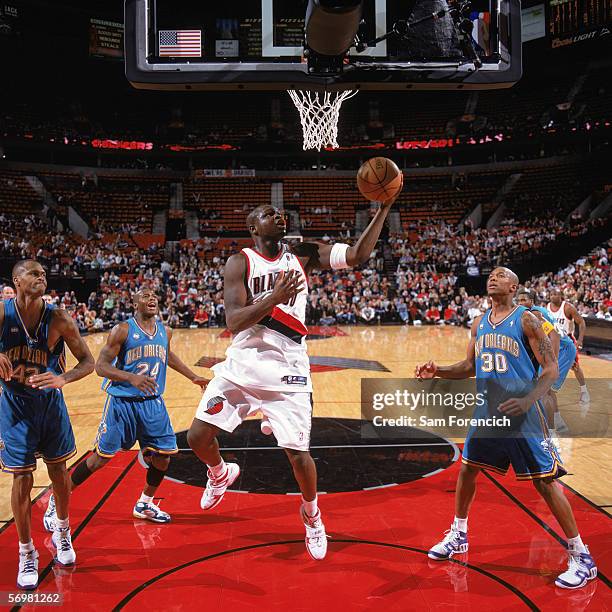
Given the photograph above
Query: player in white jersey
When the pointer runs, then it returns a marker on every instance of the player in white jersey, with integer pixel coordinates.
(567, 318)
(266, 367)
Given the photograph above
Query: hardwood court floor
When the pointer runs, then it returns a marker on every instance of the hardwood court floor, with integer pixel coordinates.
(341, 361)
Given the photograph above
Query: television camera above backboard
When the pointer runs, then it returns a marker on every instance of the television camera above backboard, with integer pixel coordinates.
(328, 45)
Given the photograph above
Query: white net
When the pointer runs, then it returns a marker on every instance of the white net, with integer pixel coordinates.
(319, 114)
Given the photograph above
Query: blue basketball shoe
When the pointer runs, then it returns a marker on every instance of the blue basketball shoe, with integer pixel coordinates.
(150, 512)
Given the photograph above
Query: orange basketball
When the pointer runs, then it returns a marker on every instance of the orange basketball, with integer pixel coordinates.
(379, 179)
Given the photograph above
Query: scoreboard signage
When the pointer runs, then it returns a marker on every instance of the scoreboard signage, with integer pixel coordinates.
(105, 38)
(437, 143)
(129, 145)
(572, 40)
(9, 17)
(575, 21)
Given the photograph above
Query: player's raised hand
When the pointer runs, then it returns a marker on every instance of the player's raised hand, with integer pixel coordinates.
(146, 384)
(288, 284)
(6, 367)
(46, 380)
(388, 203)
(425, 371)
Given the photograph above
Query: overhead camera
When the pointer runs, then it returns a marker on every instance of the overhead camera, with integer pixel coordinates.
(400, 30)
(459, 12)
(460, 9)
(330, 29)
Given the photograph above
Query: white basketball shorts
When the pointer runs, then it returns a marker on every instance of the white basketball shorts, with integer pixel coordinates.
(226, 404)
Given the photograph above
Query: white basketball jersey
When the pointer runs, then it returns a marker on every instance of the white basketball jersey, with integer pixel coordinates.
(272, 354)
(561, 321)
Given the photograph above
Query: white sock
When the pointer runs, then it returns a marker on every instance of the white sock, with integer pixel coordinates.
(576, 544)
(583, 389)
(26, 548)
(62, 523)
(558, 419)
(147, 499)
(310, 507)
(218, 470)
(461, 524)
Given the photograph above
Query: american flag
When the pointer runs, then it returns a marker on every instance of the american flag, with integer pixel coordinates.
(180, 43)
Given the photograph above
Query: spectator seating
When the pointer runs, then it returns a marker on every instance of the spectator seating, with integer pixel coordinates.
(16, 195)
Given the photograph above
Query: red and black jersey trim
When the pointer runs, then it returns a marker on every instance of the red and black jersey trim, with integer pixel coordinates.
(285, 324)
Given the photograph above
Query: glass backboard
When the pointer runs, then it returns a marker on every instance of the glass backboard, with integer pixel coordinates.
(259, 44)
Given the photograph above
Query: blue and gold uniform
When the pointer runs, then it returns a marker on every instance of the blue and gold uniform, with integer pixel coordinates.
(130, 415)
(33, 422)
(506, 368)
(567, 348)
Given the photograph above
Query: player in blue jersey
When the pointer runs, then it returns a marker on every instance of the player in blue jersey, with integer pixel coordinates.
(34, 420)
(507, 348)
(8, 293)
(134, 362)
(564, 348)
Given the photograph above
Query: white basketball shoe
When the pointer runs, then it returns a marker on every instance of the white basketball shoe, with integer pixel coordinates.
(62, 540)
(316, 538)
(27, 578)
(216, 487)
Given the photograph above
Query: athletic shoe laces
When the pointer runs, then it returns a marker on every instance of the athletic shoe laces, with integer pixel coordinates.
(315, 534)
(29, 563)
(153, 508)
(451, 536)
(575, 564)
(65, 541)
(314, 528)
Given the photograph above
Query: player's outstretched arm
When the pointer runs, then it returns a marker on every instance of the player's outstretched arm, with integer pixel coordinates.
(543, 350)
(85, 362)
(457, 371)
(572, 313)
(177, 364)
(108, 354)
(239, 315)
(325, 256)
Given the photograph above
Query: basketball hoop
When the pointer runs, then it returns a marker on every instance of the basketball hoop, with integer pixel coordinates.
(319, 116)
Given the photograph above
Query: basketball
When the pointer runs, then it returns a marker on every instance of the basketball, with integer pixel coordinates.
(379, 179)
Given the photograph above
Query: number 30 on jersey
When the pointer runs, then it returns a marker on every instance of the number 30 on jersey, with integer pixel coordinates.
(494, 361)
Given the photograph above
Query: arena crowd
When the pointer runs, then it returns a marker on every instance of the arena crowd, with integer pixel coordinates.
(422, 290)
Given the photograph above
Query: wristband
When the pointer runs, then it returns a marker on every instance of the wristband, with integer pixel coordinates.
(337, 257)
